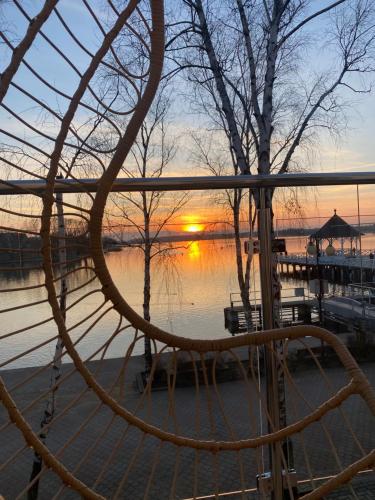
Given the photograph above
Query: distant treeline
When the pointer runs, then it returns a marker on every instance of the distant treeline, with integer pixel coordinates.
(365, 228)
(170, 238)
(207, 235)
(21, 250)
(293, 231)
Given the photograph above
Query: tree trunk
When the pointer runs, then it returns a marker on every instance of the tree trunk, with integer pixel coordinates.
(50, 407)
(146, 309)
(147, 286)
(243, 281)
(235, 139)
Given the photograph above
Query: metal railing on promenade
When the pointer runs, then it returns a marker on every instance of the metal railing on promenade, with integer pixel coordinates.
(190, 183)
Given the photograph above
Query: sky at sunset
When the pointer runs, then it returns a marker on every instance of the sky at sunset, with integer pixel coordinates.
(352, 151)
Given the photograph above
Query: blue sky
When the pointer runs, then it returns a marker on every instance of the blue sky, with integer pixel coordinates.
(353, 151)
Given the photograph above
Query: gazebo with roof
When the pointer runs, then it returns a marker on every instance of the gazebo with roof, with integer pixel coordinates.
(336, 228)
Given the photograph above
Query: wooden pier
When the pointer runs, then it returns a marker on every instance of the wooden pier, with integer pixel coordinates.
(338, 268)
(294, 312)
(352, 313)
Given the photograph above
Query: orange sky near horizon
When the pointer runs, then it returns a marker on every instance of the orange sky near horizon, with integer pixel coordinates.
(316, 207)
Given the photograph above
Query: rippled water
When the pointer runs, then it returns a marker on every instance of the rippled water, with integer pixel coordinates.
(190, 289)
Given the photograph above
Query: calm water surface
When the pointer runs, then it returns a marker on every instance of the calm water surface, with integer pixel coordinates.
(190, 289)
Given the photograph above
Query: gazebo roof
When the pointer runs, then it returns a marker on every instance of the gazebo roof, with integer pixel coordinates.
(336, 228)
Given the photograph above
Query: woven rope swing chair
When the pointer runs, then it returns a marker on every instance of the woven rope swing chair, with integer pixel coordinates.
(72, 424)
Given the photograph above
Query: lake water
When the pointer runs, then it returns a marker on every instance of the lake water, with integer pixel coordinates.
(190, 289)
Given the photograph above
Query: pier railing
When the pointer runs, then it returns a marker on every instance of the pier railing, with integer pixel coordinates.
(360, 260)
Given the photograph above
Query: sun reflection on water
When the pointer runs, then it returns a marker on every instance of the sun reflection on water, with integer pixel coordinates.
(194, 250)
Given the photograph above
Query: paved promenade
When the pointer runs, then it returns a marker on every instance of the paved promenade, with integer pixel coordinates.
(153, 469)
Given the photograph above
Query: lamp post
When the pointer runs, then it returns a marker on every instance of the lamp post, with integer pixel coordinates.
(313, 249)
(320, 288)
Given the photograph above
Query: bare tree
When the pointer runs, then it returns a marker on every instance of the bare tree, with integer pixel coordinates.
(217, 159)
(249, 61)
(149, 213)
(73, 131)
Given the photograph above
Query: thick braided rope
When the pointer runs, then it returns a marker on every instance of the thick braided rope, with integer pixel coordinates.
(358, 384)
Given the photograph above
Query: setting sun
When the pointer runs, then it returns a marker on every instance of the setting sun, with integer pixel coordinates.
(193, 228)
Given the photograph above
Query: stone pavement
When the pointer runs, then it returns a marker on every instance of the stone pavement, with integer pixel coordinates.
(364, 489)
(153, 466)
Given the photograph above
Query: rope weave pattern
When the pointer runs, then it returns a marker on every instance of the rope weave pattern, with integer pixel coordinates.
(200, 436)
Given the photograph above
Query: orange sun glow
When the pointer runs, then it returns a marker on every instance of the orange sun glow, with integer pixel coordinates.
(193, 228)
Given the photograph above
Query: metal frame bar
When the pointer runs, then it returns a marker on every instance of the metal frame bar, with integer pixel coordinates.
(191, 183)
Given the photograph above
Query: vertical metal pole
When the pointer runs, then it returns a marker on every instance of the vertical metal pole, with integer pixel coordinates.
(319, 277)
(272, 382)
(320, 294)
(360, 250)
